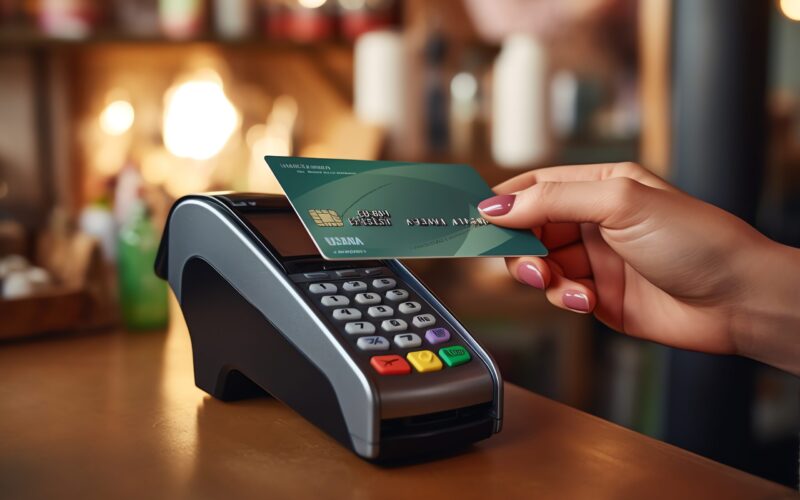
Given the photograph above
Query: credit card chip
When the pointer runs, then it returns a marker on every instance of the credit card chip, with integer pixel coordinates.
(326, 218)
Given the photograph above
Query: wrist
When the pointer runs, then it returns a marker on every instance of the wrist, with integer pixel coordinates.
(766, 322)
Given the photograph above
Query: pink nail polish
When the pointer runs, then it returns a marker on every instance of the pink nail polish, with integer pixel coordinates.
(497, 205)
(530, 275)
(575, 300)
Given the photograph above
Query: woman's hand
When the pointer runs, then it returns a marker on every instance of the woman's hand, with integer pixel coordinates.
(653, 262)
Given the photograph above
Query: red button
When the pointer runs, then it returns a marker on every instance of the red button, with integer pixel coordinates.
(391, 364)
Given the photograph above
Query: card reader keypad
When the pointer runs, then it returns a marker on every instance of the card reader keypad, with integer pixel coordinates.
(383, 321)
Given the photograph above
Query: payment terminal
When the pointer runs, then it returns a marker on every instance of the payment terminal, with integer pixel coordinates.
(362, 349)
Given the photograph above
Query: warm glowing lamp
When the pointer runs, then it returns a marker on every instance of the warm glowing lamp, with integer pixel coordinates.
(791, 9)
(117, 118)
(198, 119)
(312, 4)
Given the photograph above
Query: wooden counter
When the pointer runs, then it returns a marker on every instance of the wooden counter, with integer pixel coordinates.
(117, 416)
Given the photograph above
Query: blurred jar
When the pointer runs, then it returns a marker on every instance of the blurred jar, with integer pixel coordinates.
(72, 19)
(520, 136)
(357, 17)
(233, 18)
(379, 81)
(143, 296)
(181, 19)
(137, 17)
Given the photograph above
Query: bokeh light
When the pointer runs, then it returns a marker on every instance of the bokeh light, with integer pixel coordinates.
(791, 9)
(199, 119)
(311, 4)
(117, 118)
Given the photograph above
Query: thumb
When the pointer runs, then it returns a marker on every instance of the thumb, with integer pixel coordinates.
(612, 203)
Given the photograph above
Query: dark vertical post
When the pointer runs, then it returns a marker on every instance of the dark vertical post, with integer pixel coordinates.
(718, 154)
(44, 118)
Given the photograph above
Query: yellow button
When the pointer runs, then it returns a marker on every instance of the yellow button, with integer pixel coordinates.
(424, 361)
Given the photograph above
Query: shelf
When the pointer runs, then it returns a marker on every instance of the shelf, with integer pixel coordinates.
(29, 38)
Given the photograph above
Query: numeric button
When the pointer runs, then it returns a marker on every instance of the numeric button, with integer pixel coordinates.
(380, 311)
(394, 325)
(407, 340)
(382, 283)
(409, 307)
(335, 300)
(347, 313)
(322, 288)
(368, 298)
(359, 328)
(423, 320)
(397, 295)
(354, 286)
(373, 343)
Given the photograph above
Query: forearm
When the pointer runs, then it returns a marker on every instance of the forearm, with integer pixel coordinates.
(767, 324)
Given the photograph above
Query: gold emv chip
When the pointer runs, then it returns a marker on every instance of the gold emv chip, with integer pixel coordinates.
(326, 218)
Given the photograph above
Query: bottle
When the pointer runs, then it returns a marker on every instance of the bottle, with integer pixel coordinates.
(68, 19)
(436, 112)
(520, 132)
(182, 19)
(233, 19)
(97, 221)
(465, 106)
(379, 79)
(143, 296)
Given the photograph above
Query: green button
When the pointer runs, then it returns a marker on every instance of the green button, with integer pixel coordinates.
(454, 355)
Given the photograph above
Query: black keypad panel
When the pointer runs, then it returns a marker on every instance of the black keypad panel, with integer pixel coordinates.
(384, 322)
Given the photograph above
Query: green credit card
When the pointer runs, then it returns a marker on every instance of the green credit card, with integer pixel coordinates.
(381, 209)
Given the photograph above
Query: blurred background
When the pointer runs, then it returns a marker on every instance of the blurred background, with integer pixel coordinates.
(110, 110)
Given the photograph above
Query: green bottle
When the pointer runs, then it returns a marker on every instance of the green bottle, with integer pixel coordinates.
(143, 295)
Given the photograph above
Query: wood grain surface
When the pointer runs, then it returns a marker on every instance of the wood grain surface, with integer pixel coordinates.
(116, 415)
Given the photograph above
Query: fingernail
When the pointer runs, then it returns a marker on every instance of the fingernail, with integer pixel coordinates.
(575, 300)
(497, 205)
(530, 276)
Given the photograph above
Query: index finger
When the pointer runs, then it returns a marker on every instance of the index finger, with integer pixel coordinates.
(577, 173)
